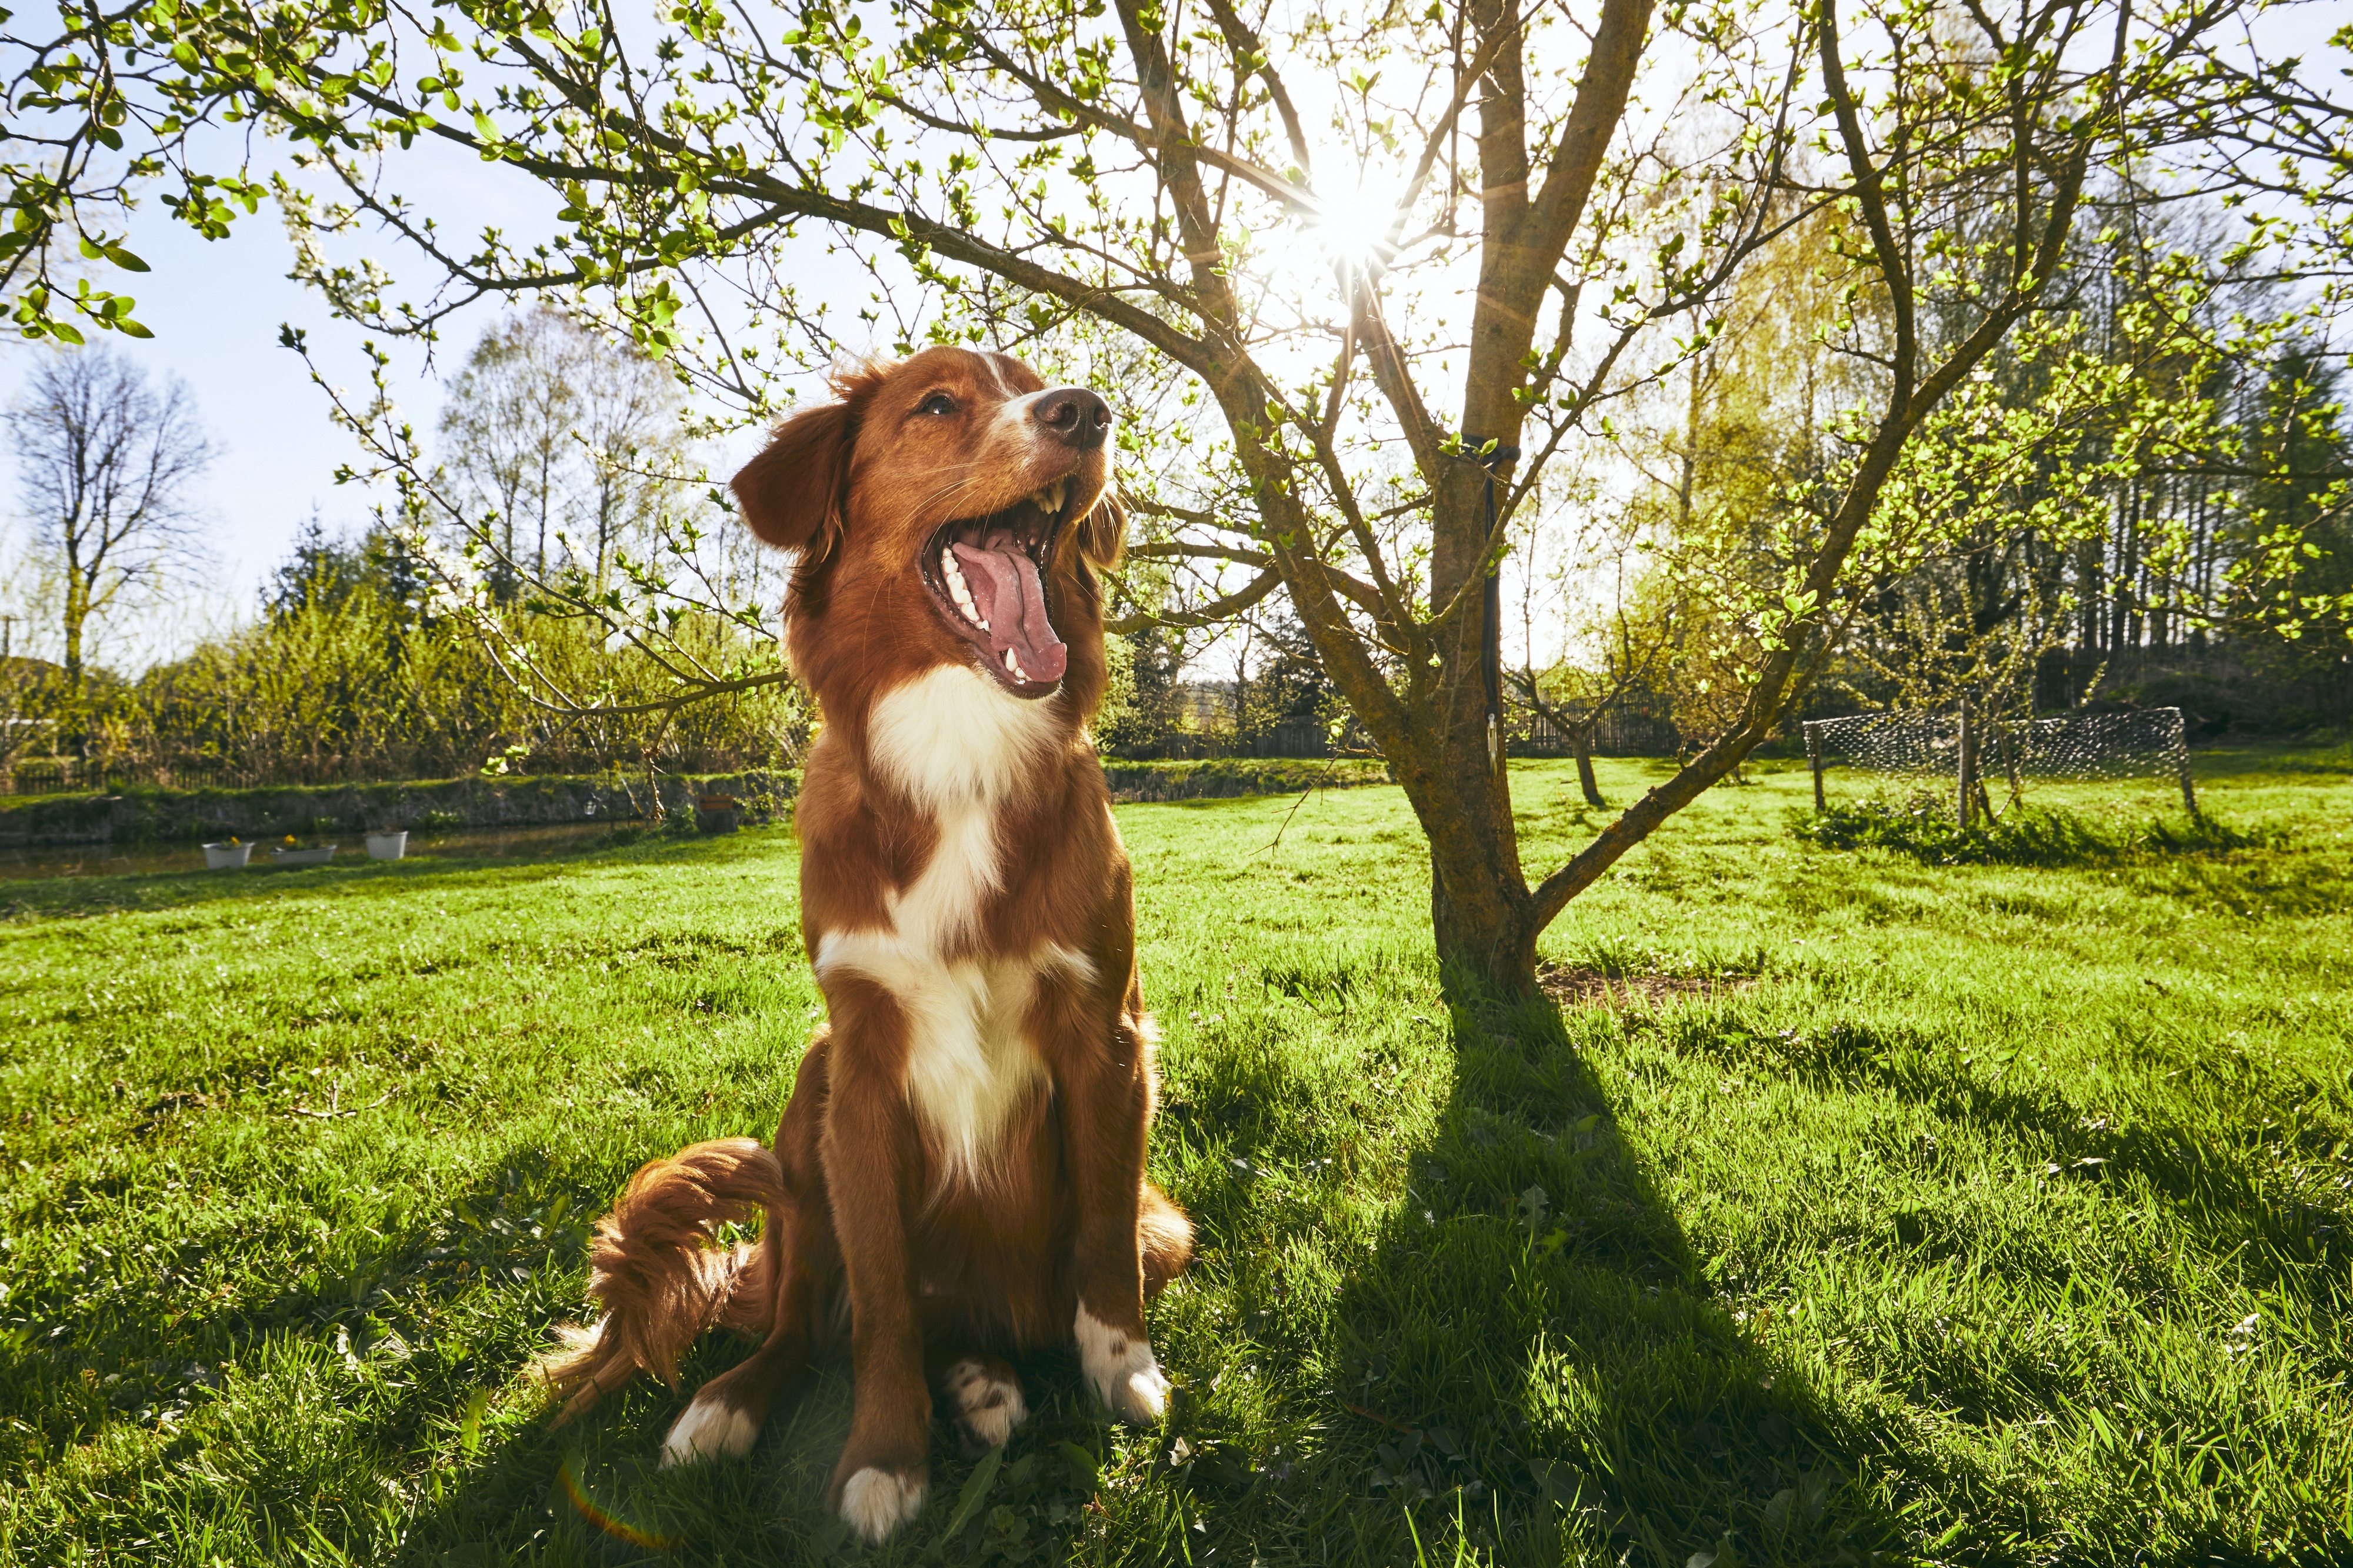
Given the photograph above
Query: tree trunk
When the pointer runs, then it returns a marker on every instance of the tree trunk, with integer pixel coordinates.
(1477, 932)
(77, 612)
(1581, 742)
(1492, 944)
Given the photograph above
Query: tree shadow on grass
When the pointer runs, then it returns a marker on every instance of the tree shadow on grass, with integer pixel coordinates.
(1531, 1363)
(2301, 1246)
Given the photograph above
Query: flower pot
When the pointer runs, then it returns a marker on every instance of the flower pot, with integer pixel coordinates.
(226, 857)
(388, 845)
(317, 857)
(716, 818)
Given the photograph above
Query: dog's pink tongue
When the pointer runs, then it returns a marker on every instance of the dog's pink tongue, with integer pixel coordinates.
(1004, 588)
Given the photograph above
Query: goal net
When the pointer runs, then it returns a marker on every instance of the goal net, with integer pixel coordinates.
(1933, 748)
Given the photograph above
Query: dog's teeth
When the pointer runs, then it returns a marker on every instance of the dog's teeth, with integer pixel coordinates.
(958, 589)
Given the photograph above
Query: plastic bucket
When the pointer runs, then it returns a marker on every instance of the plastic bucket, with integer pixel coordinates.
(226, 857)
(388, 845)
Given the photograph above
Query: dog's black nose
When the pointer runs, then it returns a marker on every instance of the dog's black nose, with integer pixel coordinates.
(1074, 416)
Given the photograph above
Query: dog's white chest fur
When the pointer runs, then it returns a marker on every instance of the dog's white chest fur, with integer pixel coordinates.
(958, 744)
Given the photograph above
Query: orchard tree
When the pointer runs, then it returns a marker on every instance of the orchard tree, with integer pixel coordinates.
(1370, 275)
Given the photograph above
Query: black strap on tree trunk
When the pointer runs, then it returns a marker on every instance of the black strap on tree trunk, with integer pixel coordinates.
(1491, 638)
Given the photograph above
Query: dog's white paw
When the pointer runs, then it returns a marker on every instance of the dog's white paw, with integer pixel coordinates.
(876, 1502)
(988, 1405)
(711, 1429)
(1123, 1371)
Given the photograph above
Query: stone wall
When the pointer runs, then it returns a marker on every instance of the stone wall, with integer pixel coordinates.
(158, 815)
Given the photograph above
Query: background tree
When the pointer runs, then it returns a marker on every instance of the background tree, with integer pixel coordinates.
(105, 463)
(2300, 485)
(1591, 643)
(1288, 682)
(557, 433)
(1140, 707)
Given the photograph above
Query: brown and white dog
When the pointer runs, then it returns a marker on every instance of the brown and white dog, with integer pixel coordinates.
(959, 1175)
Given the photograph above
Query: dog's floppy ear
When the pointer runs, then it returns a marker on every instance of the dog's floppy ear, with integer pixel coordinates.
(1103, 532)
(793, 492)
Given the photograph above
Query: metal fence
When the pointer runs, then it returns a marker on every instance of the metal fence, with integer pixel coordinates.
(1960, 751)
(67, 775)
(62, 775)
(1619, 732)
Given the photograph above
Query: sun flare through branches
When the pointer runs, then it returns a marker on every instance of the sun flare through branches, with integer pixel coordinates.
(1353, 233)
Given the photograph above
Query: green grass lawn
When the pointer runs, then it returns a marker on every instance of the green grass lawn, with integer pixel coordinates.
(1971, 1214)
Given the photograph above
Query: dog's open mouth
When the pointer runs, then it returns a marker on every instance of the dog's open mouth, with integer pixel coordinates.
(988, 574)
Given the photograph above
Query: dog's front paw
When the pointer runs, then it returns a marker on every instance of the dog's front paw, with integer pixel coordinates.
(876, 1502)
(1123, 1371)
(712, 1429)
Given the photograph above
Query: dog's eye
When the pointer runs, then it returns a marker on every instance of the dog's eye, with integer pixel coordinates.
(937, 402)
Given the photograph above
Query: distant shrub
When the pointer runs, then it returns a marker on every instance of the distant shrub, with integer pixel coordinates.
(2339, 761)
(1923, 827)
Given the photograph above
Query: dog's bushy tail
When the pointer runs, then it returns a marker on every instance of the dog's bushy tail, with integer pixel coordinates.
(658, 1271)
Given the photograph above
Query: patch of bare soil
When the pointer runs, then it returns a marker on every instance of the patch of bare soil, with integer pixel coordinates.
(1576, 988)
(179, 1101)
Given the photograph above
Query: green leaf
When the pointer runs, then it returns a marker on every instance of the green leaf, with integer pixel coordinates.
(1083, 1469)
(470, 1425)
(976, 1488)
